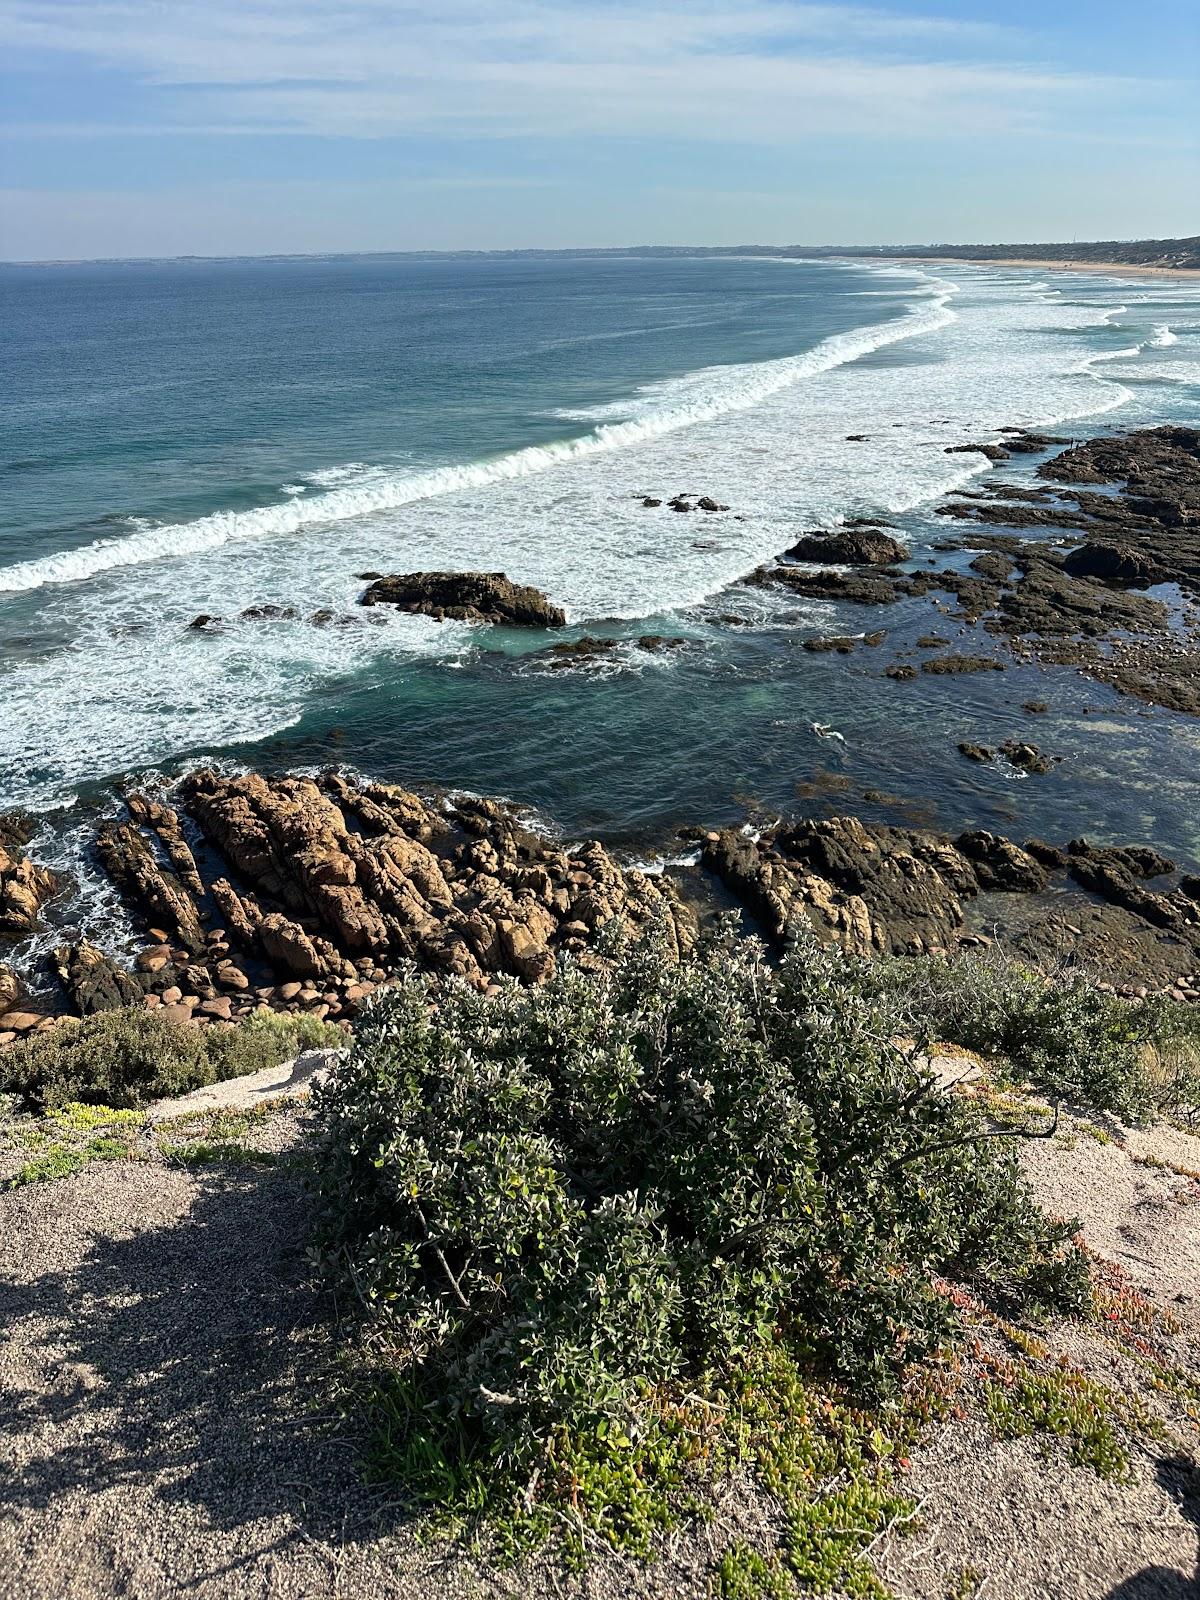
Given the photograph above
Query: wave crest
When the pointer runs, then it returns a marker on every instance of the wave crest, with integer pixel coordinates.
(657, 410)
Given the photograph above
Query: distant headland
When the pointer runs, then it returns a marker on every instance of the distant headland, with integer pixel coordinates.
(1157, 257)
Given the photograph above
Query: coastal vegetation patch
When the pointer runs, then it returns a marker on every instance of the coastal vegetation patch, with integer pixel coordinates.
(126, 1058)
(648, 1229)
(1056, 1032)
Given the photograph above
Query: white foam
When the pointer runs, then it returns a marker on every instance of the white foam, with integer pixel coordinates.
(1162, 336)
(134, 687)
(660, 409)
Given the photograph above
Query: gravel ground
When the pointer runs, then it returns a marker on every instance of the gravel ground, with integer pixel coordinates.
(1002, 1522)
(164, 1364)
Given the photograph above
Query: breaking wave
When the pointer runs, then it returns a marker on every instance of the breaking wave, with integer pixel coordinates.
(658, 410)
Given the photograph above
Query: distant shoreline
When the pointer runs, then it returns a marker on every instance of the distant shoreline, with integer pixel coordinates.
(1121, 269)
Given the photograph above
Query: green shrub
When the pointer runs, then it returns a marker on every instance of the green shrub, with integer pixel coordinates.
(559, 1204)
(129, 1057)
(1062, 1035)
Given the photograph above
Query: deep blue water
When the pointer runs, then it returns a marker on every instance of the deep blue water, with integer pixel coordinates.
(189, 437)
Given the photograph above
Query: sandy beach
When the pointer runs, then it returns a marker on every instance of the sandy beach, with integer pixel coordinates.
(1120, 269)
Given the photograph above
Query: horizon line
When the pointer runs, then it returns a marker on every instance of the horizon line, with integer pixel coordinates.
(814, 251)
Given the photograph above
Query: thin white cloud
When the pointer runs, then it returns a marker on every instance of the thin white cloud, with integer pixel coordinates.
(767, 71)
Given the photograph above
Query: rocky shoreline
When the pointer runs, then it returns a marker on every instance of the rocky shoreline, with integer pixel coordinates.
(1066, 582)
(306, 894)
(302, 893)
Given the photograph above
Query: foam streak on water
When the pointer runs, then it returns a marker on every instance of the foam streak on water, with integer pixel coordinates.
(702, 397)
(123, 683)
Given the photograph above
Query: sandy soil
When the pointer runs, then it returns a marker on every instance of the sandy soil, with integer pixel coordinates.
(165, 1370)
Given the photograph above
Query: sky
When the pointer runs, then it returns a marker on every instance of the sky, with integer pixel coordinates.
(231, 127)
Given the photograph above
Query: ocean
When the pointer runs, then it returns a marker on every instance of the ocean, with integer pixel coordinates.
(200, 437)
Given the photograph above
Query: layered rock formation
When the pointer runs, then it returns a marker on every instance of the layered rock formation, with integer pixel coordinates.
(466, 597)
(24, 886)
(898, 891)
(308, 894)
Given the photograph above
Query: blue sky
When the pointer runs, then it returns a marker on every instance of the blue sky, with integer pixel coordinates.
(163, 127)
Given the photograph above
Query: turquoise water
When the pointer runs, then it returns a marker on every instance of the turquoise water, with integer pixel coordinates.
(193, 437)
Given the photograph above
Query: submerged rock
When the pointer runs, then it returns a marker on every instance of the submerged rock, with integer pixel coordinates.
(269, 613)
(467, 597)
(842, 643)
(956, 663)
(1028, 757)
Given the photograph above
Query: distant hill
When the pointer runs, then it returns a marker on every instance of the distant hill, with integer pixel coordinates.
(1124, 252)
(1121, 252)
(1178, 253)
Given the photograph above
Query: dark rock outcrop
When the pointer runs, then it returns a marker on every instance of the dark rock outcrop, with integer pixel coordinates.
(467, 597)
(853, 587)
(993, 452)
(849, 547)
(994, 565)
(877, 890)
(873, 888)
(93, 981)
(940, 665)
(1119, 875)
(1111, 563)
(1147, 533)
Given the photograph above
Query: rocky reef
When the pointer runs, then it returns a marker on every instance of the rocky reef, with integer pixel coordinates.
(466, 597)
(306, 894)
(1065, 583)
(24, 887)
(878, 889)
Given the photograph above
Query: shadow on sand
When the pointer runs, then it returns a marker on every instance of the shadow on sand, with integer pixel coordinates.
(190, 1359)
(1181, 1480)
